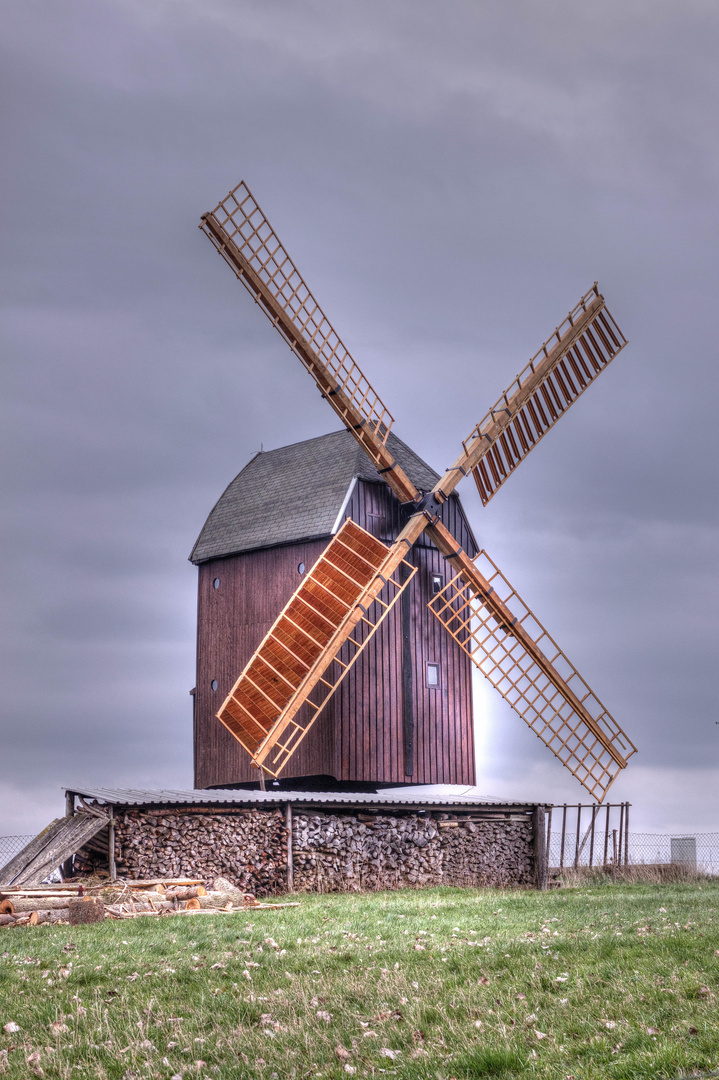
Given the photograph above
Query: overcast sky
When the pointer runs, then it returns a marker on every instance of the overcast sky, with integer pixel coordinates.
(450, 179)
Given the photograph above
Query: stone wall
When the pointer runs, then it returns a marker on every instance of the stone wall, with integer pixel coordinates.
(331, 851)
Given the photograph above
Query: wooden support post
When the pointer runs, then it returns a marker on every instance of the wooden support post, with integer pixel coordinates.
(66, 868)
(595, 811)
(407, 686)
(564, 834)
(576, 844)
(626, 834)
(540, 852)
(606, 835)
(111, 845)
(549, 836)
(618, 860)
(290, 862)
(614, 848)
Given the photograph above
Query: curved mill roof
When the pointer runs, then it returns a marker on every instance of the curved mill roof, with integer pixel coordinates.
(295, 493)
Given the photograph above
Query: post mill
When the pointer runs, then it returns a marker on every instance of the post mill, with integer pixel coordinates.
(342, 595)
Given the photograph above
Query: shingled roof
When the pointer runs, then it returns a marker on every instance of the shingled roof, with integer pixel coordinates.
(295, 493)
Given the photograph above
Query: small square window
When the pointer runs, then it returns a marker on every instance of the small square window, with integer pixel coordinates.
(437, 584)
(432, 674)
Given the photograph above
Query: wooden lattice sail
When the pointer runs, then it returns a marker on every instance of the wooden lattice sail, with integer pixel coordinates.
(516, 654)
(344, 598)
(578, 351)
(244, 237)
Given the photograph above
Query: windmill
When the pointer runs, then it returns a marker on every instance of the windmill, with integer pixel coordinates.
(357, 580)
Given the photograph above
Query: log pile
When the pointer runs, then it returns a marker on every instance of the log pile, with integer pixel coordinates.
(347, 850)
(486, 852)
(248, 847)
(119, 900)
(338, 852)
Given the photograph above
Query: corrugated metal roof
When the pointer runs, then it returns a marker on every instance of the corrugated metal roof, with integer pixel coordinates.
(295, 493)
(422, 795)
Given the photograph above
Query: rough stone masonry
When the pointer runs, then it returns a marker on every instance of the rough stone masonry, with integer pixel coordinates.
(331, 852)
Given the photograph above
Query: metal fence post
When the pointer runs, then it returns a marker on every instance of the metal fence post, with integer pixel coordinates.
(606, 835)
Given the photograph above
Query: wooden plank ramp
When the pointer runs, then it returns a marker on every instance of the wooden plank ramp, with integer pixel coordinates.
(50, 848)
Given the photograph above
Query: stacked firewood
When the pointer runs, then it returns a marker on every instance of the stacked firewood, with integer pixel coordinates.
(340, 852)
(486, 852)
(331, 851)
(249, 848)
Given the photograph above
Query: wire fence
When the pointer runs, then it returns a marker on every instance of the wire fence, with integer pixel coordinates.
(593, 835)
(699, 852)
(10, 846)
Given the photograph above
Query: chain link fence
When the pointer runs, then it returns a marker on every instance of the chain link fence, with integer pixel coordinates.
(592, 835)
(10, 846)
(698, 852)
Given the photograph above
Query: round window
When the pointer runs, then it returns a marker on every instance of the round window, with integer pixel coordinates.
(216, 583)
(301, 568)
(213, 684)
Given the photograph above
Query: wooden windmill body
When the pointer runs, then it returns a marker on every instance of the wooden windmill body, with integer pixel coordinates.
(404, 711)
(303, 698)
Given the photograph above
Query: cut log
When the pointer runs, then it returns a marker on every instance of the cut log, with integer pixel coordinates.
(33, 903)
(193, 904)
(6, 907)
(86, 911)
(186, 894)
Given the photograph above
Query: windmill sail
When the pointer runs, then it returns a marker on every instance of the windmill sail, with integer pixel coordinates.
(516, 654)
(244, 237)
(567, 363)
(344, 598)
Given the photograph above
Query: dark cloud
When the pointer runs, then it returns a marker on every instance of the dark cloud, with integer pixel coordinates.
(450, 181)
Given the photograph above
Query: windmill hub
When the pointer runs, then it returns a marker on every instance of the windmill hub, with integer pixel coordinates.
(427, 502)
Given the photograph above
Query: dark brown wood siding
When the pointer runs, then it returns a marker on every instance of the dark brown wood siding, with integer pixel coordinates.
(370, 743)
(361, 734)
(231, 622)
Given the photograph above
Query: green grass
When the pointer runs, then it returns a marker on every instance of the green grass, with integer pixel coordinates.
(608, 981)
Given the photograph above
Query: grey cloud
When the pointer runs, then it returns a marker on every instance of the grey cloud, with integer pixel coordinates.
(450, 181)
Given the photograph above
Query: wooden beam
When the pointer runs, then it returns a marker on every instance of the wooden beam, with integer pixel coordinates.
(66, 868)
(407, 681)
(539, 846)
(111, 846)
(290, 862)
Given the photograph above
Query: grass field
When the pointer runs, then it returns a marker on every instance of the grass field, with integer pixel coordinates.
(594, 982)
